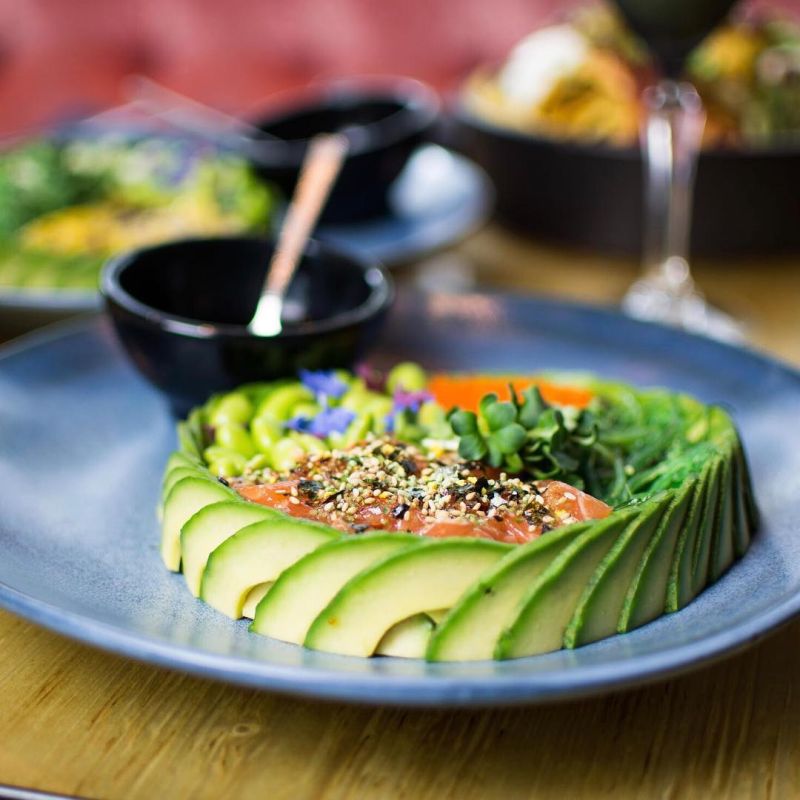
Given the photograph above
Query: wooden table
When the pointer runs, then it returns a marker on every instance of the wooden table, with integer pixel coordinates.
(79, 721)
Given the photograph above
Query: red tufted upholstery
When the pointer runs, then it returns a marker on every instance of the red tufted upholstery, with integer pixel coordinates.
(58, 57)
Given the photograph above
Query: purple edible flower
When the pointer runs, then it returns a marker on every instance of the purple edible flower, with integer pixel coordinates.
(372, 378)
(409, 401)
(299, 424)
(328, 421)
(323, 383)
(405, 401)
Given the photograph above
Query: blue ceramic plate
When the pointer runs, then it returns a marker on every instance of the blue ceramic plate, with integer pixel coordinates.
(84, 442)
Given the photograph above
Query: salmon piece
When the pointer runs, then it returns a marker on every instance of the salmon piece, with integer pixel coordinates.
(564, 500)
(429, 497)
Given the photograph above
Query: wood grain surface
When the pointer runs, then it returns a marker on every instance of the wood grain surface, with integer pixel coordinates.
(79, 721)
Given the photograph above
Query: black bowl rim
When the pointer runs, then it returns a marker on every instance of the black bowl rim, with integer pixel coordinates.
(419, 108)
(463, 115)
(377, 278)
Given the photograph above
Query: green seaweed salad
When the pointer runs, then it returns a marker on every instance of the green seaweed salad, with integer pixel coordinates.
(66, 206)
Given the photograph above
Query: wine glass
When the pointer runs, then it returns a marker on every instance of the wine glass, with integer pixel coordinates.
(671, 136)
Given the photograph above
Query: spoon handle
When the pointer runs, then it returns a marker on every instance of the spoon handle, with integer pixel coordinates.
(320, 168)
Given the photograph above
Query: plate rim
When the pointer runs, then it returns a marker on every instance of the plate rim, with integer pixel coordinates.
(424, 690)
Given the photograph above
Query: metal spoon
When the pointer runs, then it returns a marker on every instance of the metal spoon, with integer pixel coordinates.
(321, 166)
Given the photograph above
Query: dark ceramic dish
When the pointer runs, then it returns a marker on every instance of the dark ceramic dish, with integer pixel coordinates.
(746, 201)
(384, 120)
(181, 311)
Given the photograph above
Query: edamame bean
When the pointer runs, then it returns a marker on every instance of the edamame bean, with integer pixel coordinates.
(406, 375)
(306, 410)
(228, 466)
(408, 431)
(431, 414)
(379, 411)
(285, 454)
(433, 418)
(258, 391)
(233, 407)
(357, 430)
(258, 461)
(215, 452)
(280, 404)
(265, 431)
(309, 443)
(352, 381)
(359, 400)
(234, 437)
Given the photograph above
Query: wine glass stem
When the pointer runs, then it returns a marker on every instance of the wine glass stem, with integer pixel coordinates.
(671, 134)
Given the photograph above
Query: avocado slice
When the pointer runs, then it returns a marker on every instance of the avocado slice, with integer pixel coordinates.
(597, 613)
(211, 526)
(702, 555)
(647, 593)
(177, 469)
(254, 597)
(255, 555)
(471, 629)
(190, 434)
(180, 459)
(185, 499)
(552, 598)
(368, 605)
(407, 639)
(753, 514)
(722, 553)
(305, 588)
(679, 585)
(742, 529)
(179, 473)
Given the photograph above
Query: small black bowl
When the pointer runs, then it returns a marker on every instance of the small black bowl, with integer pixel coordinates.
(385, 120)
(181, 311)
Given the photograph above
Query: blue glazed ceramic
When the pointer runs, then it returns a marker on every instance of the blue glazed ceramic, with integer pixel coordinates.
(82, 430)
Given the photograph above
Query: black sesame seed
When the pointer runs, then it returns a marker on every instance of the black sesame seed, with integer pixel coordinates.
(223, 481)
(309, 488)
(399, 510)
(410, 467)
(359, 528)
(481, 485)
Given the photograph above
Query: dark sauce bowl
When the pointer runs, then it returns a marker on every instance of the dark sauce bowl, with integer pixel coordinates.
(181, 311)
(385, 121)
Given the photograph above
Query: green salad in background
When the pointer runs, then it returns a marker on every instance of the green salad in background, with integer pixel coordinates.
(65, 207)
